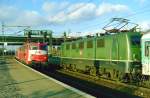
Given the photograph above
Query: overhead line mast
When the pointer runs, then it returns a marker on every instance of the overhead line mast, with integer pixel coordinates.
(3, 26)
(3, 38)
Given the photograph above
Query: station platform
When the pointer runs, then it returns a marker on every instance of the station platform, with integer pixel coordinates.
(20, 81)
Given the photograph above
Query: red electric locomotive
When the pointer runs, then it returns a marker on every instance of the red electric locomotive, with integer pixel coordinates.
(33, 52)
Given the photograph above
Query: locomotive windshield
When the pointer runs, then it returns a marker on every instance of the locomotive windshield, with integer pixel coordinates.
(34, 48)
(135, 40)
(43, 47)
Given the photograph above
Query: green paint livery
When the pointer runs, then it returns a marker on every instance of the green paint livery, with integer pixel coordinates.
(116, 52)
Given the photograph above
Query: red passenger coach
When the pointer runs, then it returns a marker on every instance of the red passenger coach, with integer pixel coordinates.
(33, 52)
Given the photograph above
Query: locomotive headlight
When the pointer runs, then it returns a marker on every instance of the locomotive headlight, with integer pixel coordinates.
(45, 57)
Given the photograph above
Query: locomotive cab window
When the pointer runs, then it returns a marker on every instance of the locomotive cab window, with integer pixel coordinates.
(43, 47)
(135, 40)
(147, 48)
(90, 44)
(34, 47)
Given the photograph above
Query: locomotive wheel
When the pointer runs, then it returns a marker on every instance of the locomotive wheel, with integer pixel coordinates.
(70, 67)
(115, 74)
(87, 69)
(107, 75)
(120, 76)
(64, 66)
(145, 81)
(130, 77)
(74, 68)
(112, 74)
(127, 78)
(93, 71)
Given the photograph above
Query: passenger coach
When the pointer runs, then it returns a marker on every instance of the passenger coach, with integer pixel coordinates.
(146, 54)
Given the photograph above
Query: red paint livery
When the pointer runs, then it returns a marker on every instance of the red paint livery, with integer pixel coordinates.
(33, 52)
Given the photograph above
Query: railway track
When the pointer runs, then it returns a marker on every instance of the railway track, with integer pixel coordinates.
(85, 84)
(96, 86)
(114, 85)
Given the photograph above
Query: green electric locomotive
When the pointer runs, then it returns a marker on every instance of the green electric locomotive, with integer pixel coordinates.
(114, 55)
(110, 55)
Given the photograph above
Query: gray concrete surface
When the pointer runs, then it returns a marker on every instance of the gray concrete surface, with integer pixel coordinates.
(17, 81)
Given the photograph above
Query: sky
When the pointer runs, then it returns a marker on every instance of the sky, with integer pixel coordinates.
(79, 17)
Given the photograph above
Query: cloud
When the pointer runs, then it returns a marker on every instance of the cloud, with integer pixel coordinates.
(86, 11)
(109, 8)
(58, 13)
(30, 18)
(13, 16)
(53, 6)
(74, 12)
(61, 17)
(145, 25)
(141, 1)
(82, 11)
(8, 13)
(48, 6)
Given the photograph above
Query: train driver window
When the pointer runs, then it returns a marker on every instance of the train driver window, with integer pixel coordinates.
(135, 40)
(147, 48)
(34, 48)
(43, 47)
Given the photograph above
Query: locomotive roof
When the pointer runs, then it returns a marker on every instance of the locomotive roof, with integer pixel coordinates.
(104, 36)
(146, 36)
